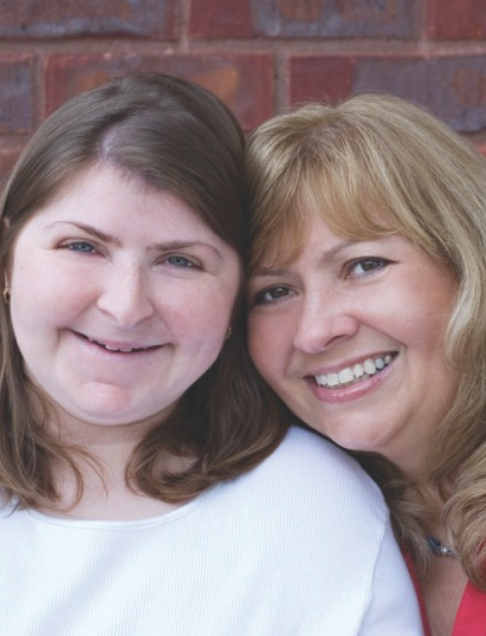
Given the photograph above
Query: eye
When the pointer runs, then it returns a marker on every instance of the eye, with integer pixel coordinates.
(366, 266)
(271, 295)
(180, 261)
(80, 246)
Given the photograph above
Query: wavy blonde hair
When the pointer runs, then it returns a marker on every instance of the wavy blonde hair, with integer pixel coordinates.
(368, 166)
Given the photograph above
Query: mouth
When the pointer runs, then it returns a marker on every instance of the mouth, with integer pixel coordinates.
(355, 373)
(122, 348)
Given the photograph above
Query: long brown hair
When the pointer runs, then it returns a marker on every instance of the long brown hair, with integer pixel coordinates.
(174, 136)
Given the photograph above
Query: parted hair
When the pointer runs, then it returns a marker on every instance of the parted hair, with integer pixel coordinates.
(172, 135)
(372, 165)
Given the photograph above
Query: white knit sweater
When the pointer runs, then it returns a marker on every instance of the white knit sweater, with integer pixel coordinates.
(299, 546)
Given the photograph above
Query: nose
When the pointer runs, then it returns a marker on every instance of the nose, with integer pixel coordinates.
(125, 296)
(325, 318)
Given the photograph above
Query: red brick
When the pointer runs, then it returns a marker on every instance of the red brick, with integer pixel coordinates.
(336, 18)
(16, 93)
(65, 18)
(243, 81)
(454, 88)
(457, 19)
(318, 78)
(220, 19)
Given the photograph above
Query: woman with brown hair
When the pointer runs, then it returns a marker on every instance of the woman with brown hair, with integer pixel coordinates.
(143, 469)
(367, 317)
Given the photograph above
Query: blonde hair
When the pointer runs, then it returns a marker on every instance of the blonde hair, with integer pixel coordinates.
(372, 165)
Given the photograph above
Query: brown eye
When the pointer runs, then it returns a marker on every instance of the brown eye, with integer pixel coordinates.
(365, 266)
(271, 294)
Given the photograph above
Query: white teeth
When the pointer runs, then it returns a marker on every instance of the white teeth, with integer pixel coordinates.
(108, 348)
(346, 375)
(358, 370)
(353, 374)
(332, 379)
(369, 367)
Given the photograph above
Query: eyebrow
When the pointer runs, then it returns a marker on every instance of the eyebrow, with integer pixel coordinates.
(89, 229)
(326, 257)
(162, 247)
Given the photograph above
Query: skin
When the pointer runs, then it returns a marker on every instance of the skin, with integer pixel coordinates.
(340, 303)
(121, 298)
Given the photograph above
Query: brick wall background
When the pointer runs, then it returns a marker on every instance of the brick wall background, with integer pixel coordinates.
(258, 55)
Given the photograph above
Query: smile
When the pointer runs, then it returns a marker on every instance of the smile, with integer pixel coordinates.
(122, 349)
(354, 374)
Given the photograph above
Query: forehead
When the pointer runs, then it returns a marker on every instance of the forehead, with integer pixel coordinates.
(280, 245)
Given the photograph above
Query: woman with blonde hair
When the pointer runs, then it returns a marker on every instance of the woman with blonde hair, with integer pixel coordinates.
(367, 317)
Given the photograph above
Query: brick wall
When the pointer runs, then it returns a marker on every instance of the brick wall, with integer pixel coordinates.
(258, 55)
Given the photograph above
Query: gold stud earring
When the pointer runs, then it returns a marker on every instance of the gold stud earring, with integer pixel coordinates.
(6, 295)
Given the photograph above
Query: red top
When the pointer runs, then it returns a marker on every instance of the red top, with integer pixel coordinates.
(471, 615)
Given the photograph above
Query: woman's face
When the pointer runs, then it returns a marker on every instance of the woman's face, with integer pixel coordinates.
(121, 298)
(351, 337)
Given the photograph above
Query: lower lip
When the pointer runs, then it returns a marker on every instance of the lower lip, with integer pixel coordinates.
(351, 392)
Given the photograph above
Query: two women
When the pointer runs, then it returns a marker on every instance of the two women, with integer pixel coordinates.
(148, 485)
(367, 296)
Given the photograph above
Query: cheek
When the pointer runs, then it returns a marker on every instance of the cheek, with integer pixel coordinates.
(204, 312)
(262, 345)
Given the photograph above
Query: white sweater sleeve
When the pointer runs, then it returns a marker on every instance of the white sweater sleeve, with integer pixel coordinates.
(387, 613)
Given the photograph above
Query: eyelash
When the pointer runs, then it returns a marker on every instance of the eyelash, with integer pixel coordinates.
(183, 262)
(377, 263)
(187, 262)
(79, 246)
(260, 299)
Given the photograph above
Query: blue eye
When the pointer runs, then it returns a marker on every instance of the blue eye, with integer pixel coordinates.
(81, 246)
(180, 261)
(271, 294)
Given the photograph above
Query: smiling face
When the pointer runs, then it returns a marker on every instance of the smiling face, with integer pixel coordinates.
(351, 337)
(121, 298)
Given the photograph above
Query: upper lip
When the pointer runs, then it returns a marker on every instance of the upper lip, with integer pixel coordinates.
(335, 368)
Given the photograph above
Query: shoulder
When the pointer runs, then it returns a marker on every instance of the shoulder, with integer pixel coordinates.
(310, 475)
(305, 458)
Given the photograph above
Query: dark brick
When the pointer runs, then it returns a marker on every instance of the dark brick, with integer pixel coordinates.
(16, 93)
(220, 19)
(457, 91)
(65, 18)
(457, 19)
(243, 81)
(454, 88)
(336, 18)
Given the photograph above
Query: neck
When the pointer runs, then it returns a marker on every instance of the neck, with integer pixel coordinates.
(106, 493)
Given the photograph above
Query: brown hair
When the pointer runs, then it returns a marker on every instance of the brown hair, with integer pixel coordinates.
(368, 166)
(176, 136)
